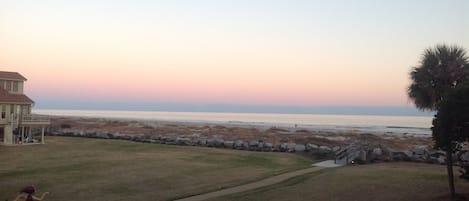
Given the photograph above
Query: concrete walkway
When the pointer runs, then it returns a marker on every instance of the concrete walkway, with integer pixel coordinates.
(329, 164)
(258, 184)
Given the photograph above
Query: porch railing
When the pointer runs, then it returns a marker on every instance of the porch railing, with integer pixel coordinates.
(34, 119)
(17, 119)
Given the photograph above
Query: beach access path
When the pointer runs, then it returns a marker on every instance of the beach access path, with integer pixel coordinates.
(262, 183)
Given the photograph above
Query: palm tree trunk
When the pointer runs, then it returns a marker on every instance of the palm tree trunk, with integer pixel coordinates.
(449, 167)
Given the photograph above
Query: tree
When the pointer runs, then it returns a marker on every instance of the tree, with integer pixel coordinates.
(441, 70)
(451, 122)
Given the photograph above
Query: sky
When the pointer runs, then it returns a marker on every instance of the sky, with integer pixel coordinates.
(266, 53)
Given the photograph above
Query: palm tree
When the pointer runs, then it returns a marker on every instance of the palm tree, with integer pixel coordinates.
(440, 71)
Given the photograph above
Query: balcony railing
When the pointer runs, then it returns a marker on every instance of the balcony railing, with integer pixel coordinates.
(34, 119)
(26, 119)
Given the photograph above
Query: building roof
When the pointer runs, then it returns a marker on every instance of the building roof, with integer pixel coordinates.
(11, 76)
(7, 97)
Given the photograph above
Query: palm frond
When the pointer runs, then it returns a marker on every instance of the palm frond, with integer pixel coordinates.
(441, 69)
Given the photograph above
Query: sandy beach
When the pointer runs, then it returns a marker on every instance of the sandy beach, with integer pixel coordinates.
(271, 134)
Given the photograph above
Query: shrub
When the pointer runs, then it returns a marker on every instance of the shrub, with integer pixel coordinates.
(65, 126)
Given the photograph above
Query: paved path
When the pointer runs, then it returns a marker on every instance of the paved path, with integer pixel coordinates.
(329, 164)
(258, 184)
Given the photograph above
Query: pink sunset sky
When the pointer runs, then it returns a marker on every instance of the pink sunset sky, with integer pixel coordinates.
(285, 53)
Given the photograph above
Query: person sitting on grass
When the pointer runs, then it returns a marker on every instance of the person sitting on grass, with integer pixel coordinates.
(27, 194)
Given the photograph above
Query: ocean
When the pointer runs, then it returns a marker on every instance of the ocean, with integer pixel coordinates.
(412, 125)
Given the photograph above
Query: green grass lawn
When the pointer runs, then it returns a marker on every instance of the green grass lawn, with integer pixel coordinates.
(380, 182)
(93, 169)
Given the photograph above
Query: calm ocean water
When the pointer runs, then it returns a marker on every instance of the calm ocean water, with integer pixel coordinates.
(416, 125)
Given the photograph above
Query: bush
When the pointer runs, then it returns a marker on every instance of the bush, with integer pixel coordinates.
(464, 172)
(65, 126)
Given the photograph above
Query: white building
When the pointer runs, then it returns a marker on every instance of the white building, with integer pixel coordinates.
(16, 120)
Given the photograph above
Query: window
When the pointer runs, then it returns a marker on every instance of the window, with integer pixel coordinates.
(24, 109)
(18, 109)
(15, 86)
(4, 111)
(8, 85)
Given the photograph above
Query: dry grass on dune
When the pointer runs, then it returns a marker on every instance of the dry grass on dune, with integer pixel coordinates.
(273, 134)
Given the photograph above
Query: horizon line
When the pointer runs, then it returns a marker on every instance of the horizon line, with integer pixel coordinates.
(319, 110)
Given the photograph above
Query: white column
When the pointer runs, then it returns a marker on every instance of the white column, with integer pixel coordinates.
(42, 135)
(22, 135)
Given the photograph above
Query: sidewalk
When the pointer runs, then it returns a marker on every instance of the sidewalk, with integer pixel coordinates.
(261, 183)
